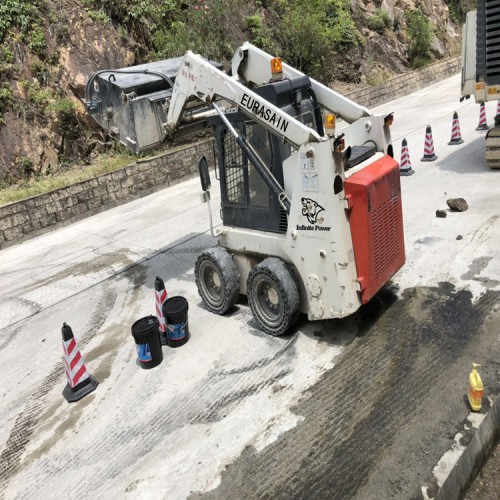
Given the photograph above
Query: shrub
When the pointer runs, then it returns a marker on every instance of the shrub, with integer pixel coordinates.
(311, 34)
(26, 165)
(260, 34)
(36, 41)
(421, 34)
(19, 13)
(6, 96)
(380, 21)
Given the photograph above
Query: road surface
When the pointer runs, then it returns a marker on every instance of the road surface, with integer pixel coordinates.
(364, 407)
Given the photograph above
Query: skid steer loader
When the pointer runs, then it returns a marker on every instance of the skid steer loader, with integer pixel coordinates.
(312, 218)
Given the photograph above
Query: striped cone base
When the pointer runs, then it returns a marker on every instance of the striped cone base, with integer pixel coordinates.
(160, 297)
(405, 165)
(482, 118)
(429, 154)
(456, 137)
(80, 382)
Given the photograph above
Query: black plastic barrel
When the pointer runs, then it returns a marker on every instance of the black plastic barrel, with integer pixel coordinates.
(175, 310)
(147, 338)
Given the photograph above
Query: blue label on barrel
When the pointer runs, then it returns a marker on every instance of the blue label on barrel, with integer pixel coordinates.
(176, 331)
(144, 352)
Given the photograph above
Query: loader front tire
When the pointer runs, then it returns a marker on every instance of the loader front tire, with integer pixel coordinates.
(217, 279)
(273, 296)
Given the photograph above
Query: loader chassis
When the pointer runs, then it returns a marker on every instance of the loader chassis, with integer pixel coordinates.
(308, 225)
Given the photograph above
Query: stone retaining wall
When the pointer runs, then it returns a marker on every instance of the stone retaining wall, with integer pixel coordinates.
(406, 83)
(28, 218)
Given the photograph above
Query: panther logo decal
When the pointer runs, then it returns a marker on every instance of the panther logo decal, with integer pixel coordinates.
(311, 209)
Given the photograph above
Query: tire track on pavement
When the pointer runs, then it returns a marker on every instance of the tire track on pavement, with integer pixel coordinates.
(351, 414)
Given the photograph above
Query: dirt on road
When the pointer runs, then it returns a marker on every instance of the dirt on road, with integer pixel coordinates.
(382, 418)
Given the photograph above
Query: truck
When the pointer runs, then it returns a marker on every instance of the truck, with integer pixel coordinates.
(311, 215)
(481, 66)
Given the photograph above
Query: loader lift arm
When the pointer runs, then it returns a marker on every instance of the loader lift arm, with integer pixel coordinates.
(252, 65)
(198, 78)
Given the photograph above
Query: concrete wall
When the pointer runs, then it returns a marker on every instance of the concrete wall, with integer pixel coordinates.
(28, 218)
(33, 216)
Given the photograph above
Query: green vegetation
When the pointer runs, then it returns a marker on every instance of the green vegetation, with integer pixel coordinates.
(6, 99)
(311, 34)
(457, 12)
(16, 14)
(380, 21)
(319, 37)
(421, 35)
(260, 34)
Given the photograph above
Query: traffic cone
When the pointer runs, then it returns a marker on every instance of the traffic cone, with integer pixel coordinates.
(80, 382)
(482, 118)
(160, 297)
(429, 154)
(405, 165)
(456, 137)
(498, 108)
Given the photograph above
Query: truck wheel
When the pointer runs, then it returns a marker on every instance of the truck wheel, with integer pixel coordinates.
(273, 296)
(217, 279)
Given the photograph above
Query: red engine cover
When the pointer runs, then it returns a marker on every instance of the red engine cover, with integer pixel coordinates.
(376, 219)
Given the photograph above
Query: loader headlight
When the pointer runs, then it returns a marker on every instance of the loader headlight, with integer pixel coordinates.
(389, 119)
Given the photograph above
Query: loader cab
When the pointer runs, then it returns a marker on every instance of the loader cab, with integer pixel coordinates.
(247, 201)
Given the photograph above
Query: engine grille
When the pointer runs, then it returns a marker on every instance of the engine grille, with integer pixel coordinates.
(386, 241)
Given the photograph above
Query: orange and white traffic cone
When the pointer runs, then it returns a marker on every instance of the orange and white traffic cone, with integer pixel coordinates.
(456, 137)
(160, 297)
(80, 382)
(405, 165)
(482, 118)
(429, 154)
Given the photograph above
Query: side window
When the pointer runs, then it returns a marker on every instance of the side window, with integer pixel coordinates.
(234, 170)
(260, 140)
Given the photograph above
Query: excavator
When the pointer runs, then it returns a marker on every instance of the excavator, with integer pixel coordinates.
(311, 215)
(481, 66)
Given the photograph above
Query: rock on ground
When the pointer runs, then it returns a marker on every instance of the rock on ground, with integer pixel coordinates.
(457, 204)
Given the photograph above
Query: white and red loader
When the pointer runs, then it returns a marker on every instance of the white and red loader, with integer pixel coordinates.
(312, 220)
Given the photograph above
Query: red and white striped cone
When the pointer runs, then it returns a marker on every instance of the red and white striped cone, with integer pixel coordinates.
(80, 382)
(160, 297)
(498, 108)
(429, 154)
(405, 165)
(456, 137)
(482, 118)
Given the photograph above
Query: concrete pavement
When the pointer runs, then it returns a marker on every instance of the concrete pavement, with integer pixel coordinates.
(236, 413)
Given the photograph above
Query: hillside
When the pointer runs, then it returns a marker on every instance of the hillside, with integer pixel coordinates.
(50, 47)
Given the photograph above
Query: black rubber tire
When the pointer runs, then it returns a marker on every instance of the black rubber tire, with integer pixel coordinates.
(217, 279)
(273, 296)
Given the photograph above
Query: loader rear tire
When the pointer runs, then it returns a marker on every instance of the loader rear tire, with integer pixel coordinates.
(217, 279)
(273, 296)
